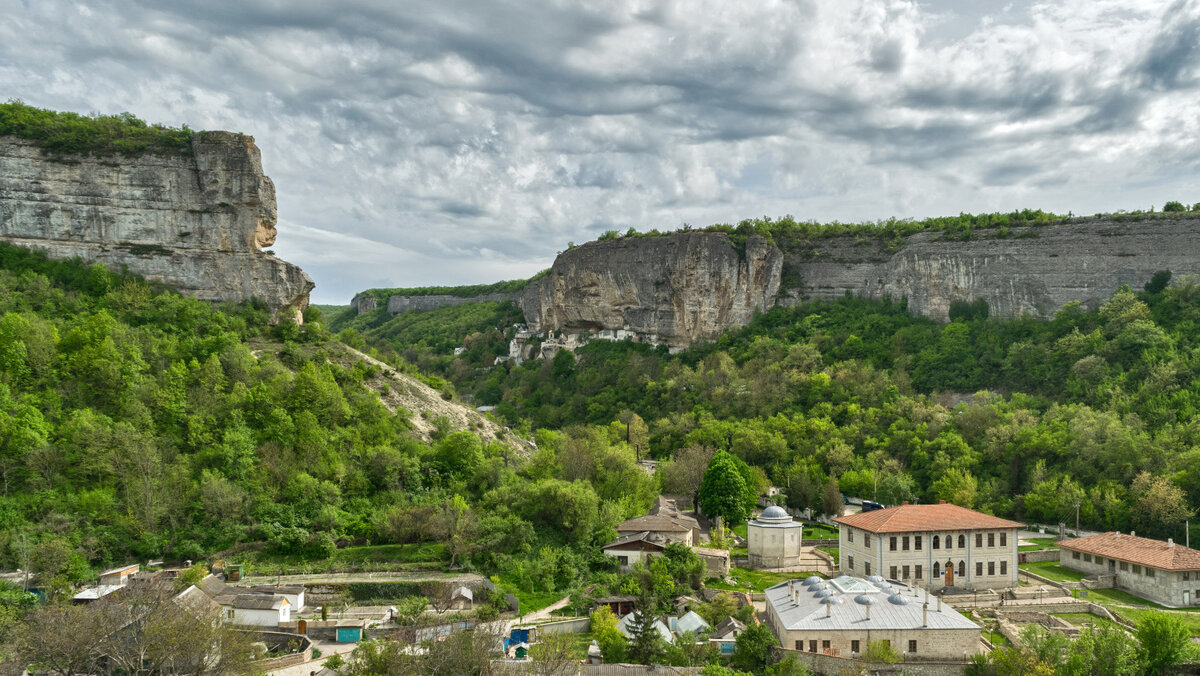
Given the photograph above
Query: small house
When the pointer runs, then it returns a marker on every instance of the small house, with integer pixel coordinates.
(96, 593)
(349, 631)
(689, 621)
(631, 549)
(462, 598)
(255, 610)
(521, 651)
(293, 593)
(724, 635)
(619, 605)
(625, 626)
(118, 576)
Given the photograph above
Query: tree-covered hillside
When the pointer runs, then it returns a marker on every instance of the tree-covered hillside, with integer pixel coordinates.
(1017, 417)
(137, 424)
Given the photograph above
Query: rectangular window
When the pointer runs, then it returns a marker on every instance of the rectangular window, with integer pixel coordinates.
(825, 645)
(849, 535)
(912, 646)
(979, 539)
(917, 543)
(623, 560)
(866, 539)
(1004, 539)
(906, 571)
(867, 568)
(1187, 576)
(1004, 567)
(1075, 555)
(854, 645)
(1124, 566)
(1149, 572)
(1087, 558)
(991, 539)
(850, 562)
(991, 567)
(893, 575)
(979, 569)
(799, 644)
(918, 571)
(812, 646)
(1137, 570)
(904, 543)
(892, 543)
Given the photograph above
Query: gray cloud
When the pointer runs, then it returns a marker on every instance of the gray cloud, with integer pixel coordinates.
(428, 142)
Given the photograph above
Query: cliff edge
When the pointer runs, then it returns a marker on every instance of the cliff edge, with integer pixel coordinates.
(196, 222)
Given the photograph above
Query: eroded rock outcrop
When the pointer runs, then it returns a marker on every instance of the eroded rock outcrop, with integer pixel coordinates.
(1032, 271)
(674, 289)
(198, 223)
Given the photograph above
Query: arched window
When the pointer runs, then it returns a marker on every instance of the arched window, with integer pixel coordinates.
(937, 544)
(937, 569)
(962, 567)
(962, 541)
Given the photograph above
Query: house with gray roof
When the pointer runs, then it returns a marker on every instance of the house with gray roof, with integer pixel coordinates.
(842, 616)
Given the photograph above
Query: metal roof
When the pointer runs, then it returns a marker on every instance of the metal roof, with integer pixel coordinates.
(252, 601)
(690, 621)
(133, 567)
(803, 611)
(97, 592)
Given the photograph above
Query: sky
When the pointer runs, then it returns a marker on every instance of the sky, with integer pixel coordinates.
(423, 142)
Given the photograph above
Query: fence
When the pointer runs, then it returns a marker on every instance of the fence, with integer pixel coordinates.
(580, 669)
(280, 641)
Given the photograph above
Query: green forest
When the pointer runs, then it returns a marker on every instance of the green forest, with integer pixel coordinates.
(1018, 417)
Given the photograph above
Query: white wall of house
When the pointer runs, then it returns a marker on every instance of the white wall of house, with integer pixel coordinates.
(1168, 587)
(988, 556)
(257, 618)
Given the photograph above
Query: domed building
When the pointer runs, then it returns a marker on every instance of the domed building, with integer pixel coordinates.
(773, 539)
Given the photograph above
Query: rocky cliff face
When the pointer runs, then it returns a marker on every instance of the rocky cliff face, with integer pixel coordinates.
(1033, 271)
(679, 288)
(197, 223)
(673, 290)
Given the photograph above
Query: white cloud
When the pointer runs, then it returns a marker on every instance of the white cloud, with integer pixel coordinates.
(429, 142)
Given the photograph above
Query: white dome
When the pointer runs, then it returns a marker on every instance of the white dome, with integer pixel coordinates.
(774, 512)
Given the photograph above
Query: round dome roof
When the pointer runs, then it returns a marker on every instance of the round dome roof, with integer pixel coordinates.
(811, 581)
(822, 594)
(864, 599)
(898, 600)
(774, 512)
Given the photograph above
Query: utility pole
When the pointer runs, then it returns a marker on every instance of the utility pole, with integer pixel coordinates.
(1076, 517)
(1187, 534)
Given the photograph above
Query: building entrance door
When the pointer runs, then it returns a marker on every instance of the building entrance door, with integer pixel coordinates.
(949, 573)
(1112, 566)
(302, 627)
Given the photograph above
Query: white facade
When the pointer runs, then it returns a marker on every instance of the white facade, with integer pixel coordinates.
(774, 540)
(980, 559)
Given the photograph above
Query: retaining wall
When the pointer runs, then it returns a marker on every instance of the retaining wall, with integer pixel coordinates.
(829, 664)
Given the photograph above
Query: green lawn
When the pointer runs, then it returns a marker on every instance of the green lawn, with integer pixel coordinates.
(1038, 543)
(580, 648)
(832, 551)
(1052, 570)
(758, 580)
(819, 531)
(530, 601)
(997, 639)
(739, 530)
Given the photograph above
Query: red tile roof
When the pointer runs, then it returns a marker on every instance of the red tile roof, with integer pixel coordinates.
(916, 518)
(1134, 549)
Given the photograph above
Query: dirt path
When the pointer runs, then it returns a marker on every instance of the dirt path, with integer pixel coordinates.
(317, 578)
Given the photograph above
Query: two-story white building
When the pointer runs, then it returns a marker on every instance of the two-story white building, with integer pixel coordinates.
(930, 546)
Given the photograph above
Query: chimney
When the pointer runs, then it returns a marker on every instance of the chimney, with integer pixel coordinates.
(828, 609)
(925, 614)
(1170, 542)
(904, 503)
(868, 612)
(941, 502)
(1133, 533)
(939, 603)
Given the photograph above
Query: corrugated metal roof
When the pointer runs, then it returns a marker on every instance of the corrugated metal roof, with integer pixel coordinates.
(690, 621)
(805, 610)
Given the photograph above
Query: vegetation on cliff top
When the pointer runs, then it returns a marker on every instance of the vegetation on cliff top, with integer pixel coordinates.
(61, 134)
(465, 291)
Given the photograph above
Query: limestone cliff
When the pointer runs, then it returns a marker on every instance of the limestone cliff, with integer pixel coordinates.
(674, 289)
(198, 223)
(1033, 271)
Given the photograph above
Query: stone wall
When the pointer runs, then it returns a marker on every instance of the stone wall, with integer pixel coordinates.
(1040, 555)
(1167, 587)
(199, 223)
(829, 664)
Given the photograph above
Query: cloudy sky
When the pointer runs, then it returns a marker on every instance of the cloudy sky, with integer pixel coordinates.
(419, 142)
